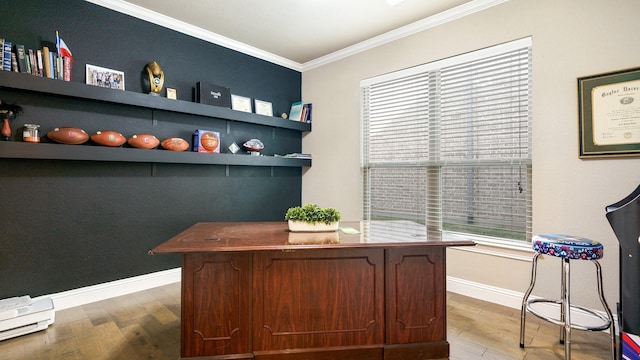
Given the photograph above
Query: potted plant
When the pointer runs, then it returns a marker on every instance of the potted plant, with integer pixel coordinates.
(311, 217)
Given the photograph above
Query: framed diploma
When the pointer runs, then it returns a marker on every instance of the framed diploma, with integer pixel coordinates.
(609, 114)
(240, 103)
(263, 107)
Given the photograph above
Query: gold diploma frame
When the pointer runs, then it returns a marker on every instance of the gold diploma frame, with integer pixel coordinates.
(609, 114)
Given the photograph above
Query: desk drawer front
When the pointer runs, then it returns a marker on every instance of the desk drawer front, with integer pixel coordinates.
(416, 309)
(215, 318)
(319, 298)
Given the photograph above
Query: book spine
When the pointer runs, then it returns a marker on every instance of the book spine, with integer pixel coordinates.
(34, 62)
(40, 66)
(46, 62)
(67, 68)
(27, 61)
(57, 66)
(309, 108)
(14, 62)
(60, 70)
(2, 55)
(303, 115)
(22, 61)
(6, 65)
(52, 64)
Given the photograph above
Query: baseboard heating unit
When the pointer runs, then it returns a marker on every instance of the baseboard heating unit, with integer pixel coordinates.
(23, 315)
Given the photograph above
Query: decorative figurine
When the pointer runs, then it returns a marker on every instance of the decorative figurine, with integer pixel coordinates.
(8, 112)
(155, 78)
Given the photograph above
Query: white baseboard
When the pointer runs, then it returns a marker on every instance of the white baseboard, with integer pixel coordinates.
(513, 299)
(89, 294)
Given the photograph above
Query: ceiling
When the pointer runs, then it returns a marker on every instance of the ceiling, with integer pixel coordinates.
(293, 32)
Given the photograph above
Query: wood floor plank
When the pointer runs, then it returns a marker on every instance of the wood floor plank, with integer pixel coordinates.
(146, 325)
(12, 349)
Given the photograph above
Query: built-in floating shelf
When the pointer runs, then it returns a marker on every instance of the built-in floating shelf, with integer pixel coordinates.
(26, 82)
(47, 151)
(50, 151)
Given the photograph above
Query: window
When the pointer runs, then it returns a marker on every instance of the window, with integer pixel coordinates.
(447, 144)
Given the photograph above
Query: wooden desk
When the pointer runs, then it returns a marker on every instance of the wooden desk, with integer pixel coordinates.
(258, 291)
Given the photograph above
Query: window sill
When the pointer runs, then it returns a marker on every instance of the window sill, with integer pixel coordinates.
(516, 250)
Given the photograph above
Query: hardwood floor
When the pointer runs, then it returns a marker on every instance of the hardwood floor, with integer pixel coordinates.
(146, 325)
(478, 330)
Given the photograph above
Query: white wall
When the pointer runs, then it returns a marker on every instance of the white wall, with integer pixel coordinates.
(571, 39)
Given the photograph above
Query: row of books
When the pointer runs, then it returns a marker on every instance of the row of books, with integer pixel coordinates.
(41, 62)
(301, 112)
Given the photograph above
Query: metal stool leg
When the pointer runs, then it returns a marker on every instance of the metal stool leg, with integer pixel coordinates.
(612, 327)
(566, 308)
(523, 309)
(563, 288)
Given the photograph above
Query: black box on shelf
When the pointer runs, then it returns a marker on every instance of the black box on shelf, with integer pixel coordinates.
(212, 94)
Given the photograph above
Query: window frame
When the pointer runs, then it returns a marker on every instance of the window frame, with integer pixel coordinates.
(505, 243)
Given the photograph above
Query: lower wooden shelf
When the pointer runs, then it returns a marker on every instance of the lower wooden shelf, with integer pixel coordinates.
(49, 151)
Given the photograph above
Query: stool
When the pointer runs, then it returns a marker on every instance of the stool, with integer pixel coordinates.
(567, 248)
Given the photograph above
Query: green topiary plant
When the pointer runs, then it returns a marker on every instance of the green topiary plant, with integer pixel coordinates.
(312, 213)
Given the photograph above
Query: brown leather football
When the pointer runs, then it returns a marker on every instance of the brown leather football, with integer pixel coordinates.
(108, 138)
(175, 144)
(143, 141)
(68, 135)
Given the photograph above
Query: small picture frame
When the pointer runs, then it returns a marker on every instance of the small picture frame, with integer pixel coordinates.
(240, 103)
(103, 77)
(172, 94)
(234, 148)
(263, 107)
(609, 114)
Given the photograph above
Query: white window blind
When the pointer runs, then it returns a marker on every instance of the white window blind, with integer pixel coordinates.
(447, 144)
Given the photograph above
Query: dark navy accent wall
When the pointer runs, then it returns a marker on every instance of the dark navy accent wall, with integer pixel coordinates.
(102, 37)
(69, 224)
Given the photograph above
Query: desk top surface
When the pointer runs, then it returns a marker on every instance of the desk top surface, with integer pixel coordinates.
(257, 236)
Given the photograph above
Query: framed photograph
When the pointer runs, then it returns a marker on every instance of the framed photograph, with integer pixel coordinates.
(240, 103)
(609, 114)
(104, 77)
(263, 107)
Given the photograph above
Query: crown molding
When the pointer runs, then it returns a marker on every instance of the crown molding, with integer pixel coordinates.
(444, 17)
(139, 12)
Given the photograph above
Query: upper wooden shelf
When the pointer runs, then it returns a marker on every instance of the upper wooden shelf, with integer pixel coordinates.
(26, 82)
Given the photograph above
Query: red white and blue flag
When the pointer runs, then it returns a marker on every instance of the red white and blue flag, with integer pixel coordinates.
(63, 50)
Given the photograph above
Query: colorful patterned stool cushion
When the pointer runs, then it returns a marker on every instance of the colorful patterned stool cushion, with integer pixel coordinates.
(567, 247)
